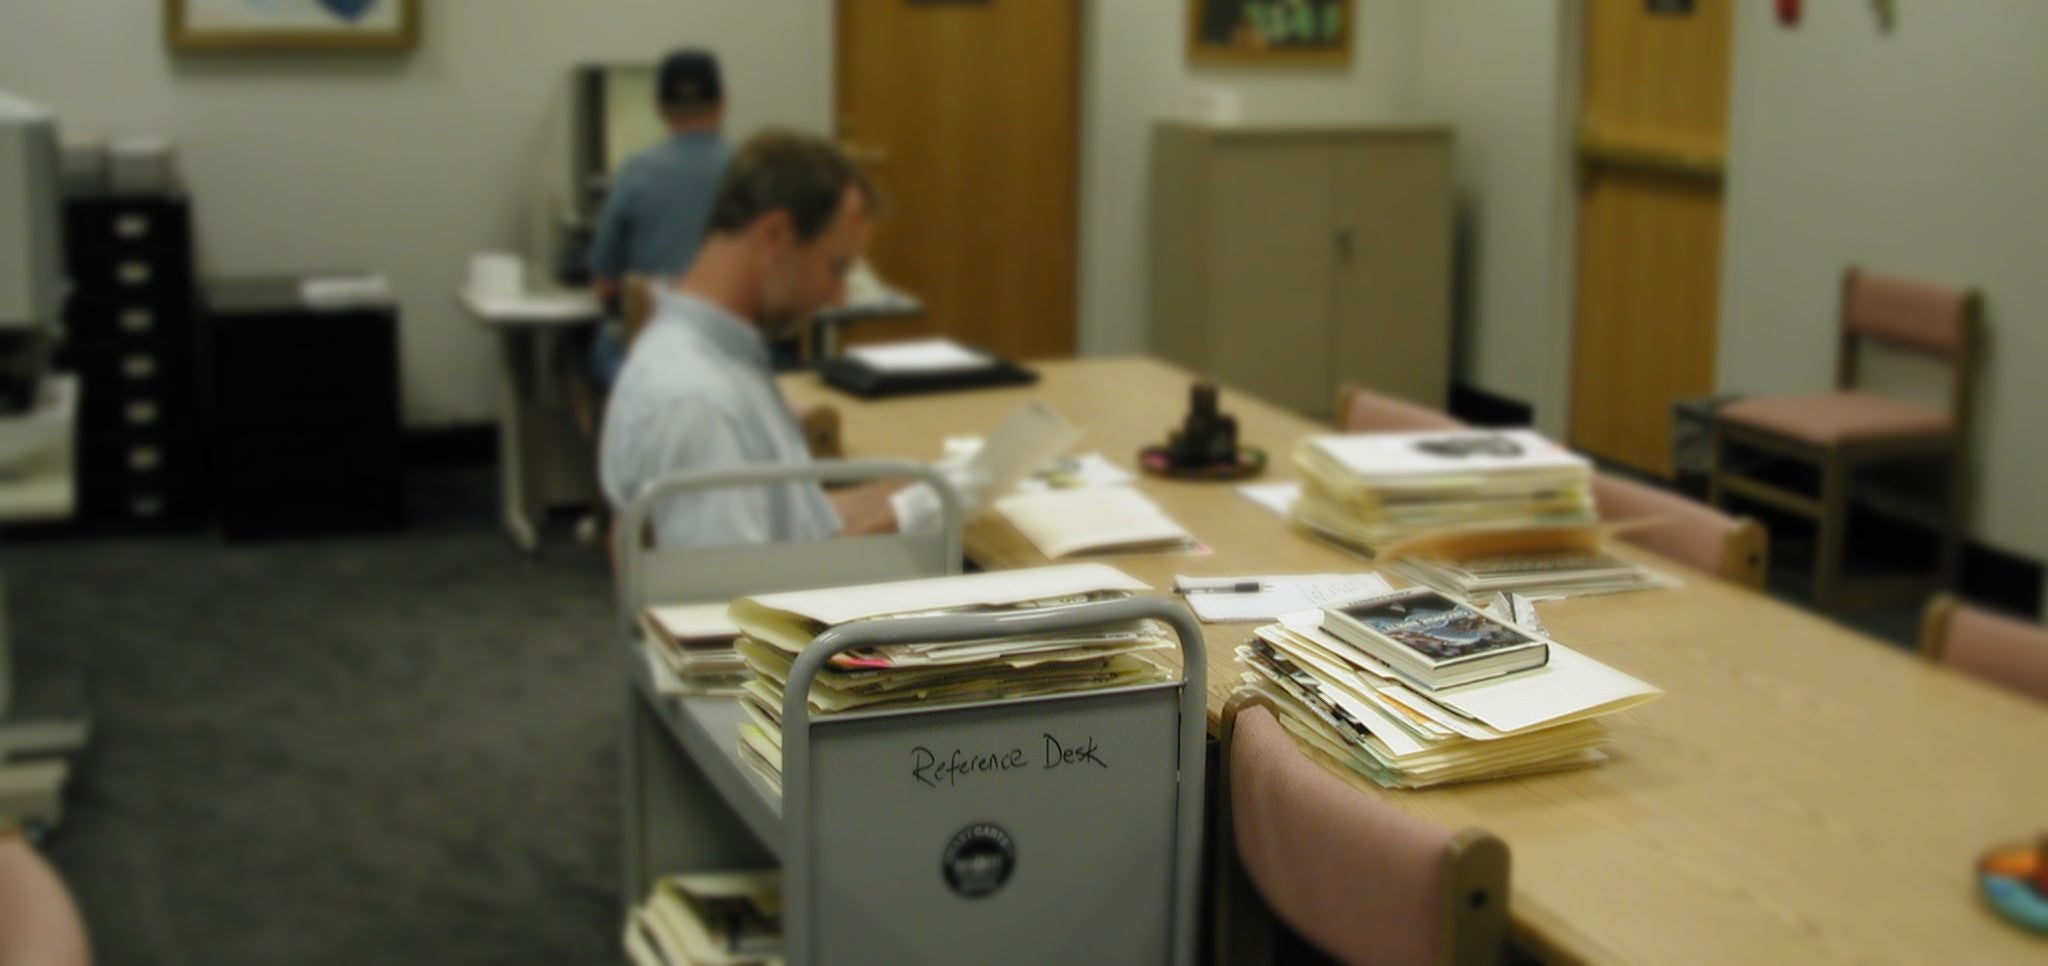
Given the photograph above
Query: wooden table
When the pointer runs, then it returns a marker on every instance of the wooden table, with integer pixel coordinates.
(1801, 794)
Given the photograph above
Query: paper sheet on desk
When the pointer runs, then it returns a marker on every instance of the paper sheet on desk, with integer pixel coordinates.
(923, 355)
(1277, 497)
(1212, 600)
(1031, 436)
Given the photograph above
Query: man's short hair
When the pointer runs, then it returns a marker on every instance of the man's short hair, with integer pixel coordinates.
(783, 170)
(689, 81)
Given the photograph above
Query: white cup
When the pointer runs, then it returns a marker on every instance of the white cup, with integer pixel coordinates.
(494, 275)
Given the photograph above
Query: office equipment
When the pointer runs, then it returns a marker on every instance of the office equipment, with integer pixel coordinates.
(1628, 861)
(142, 165)
(1736, 549)
(305, 408)
(2001, 650)
(1223, 599)
(1805, 455)
(844, 829)
(132, 336)
(1302, 837)
(1287, 259)
(1110, 519)
(877, 371)
(32, 283)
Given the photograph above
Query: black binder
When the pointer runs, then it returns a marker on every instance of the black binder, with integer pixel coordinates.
(858, 378)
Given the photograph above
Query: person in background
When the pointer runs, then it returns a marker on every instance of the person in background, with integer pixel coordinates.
(656, 207)
(698, 392)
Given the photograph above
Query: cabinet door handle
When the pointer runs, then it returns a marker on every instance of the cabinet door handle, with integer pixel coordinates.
(1344, 243)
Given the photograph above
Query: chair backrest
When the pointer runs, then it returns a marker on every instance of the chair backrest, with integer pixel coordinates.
(1360, 410)
(1362, 880)
(669, 576)
(39, 924)
(1921, 317)
(2001, 650)
(1690, 532)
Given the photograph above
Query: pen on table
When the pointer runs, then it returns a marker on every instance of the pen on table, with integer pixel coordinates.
(1241, 587)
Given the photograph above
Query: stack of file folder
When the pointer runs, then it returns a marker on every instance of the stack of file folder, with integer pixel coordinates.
(1372, 490)
(1357, 713)
(710, 919)
(777, 627)
(689, 650)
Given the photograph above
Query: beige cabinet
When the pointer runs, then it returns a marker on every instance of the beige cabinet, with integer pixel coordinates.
(1287, 261)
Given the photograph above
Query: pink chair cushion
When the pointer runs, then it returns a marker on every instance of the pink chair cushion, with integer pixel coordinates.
(1919, 315)
(1691, 533)
(1371, 412)
(1828, 418)
(39, 925)
(1998, 649)
(1358, 878)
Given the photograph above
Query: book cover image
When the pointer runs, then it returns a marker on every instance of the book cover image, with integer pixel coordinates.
(1436, 627)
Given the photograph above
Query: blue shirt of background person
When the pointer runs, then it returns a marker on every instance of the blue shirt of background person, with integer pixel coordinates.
(658, 203)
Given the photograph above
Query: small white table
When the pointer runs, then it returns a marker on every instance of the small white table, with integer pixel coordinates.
(543, 461)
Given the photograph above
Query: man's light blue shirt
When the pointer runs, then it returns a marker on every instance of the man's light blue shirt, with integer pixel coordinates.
(698, 393)
(657, 207)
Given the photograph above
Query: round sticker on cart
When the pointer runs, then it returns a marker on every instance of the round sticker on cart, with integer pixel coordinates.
(978, 860)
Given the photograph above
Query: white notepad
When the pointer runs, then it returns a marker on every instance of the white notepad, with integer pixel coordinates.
(1096, 520)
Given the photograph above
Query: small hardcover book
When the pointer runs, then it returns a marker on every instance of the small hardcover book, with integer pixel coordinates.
(1434, 640)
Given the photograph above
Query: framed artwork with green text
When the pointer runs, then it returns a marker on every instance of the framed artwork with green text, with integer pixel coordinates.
(1270, 31)
(291, 24)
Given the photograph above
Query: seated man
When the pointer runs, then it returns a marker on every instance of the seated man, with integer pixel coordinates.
(698, 391)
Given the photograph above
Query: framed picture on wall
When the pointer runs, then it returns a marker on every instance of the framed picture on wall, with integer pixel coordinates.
(291, 24)
(1270, 31)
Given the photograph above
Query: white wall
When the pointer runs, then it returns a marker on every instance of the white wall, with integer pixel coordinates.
(1504, 74)
(1923, 152)
(400, 163)
(1135, 71)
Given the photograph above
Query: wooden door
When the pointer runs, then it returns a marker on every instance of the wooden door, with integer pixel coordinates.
(1652, 152)
(965, 114)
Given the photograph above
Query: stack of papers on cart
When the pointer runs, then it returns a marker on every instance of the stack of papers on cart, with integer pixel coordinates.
(775, 628)
(1370, 490)
(689, 650)
(708, 919)
(1357, 712)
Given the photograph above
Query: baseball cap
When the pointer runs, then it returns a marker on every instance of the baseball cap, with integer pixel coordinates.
(689, 78)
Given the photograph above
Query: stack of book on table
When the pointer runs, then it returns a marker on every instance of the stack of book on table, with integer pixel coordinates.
(689, 650)
(1415, 688)
(711, 919)
(1371, 490)
(1561, 561)
(777, 627)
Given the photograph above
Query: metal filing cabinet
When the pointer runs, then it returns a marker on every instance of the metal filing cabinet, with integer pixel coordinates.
(130, 334)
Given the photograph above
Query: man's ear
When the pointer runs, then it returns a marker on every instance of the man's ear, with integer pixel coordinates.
(775, 230)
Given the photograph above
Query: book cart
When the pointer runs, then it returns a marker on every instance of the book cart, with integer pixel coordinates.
(1062, 828)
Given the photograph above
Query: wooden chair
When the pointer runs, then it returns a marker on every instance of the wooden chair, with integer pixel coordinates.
(2004, 651)
(1360, 410)
(39, 923)
(1835, 433)
(1692, 533)
(1363, 881)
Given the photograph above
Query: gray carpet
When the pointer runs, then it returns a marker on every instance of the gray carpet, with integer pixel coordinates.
(364, 750)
